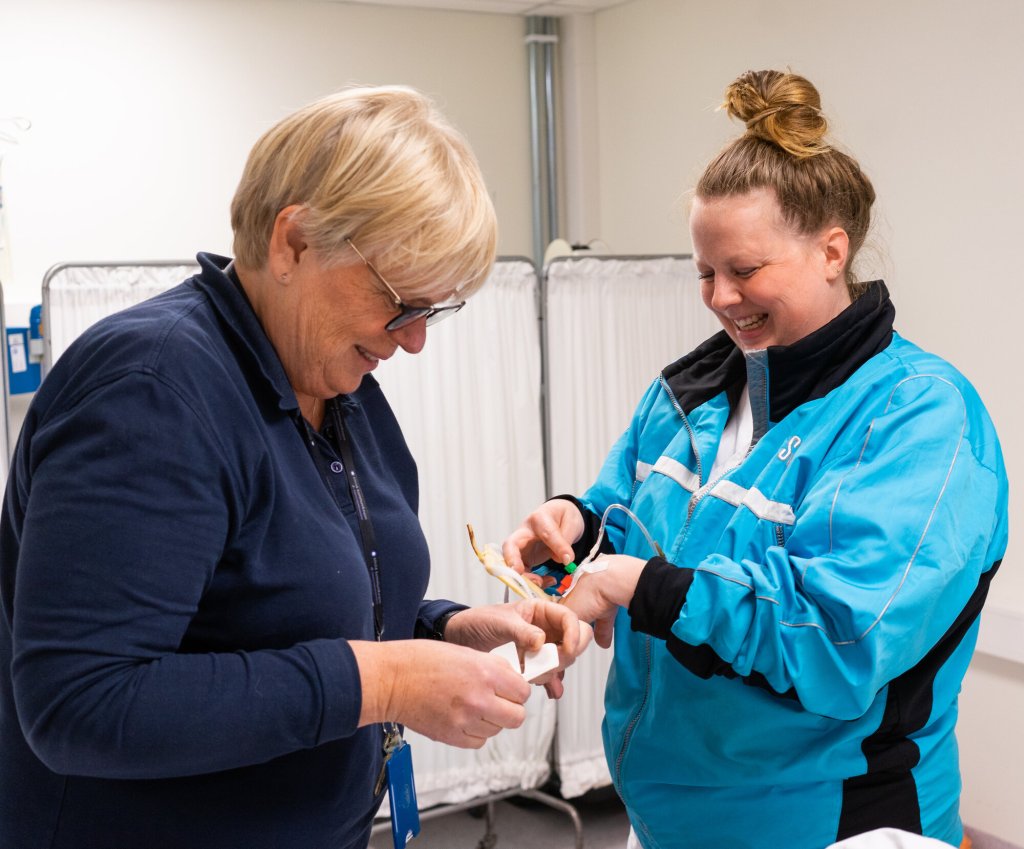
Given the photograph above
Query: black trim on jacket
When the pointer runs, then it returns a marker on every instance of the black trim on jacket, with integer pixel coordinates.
(886, 795)
(798, 373)
(656, 603)
(659, 597)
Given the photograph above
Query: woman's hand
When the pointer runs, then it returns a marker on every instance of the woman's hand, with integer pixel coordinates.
(448, 693)
(548, 533)
(529, 624)
(598, 596)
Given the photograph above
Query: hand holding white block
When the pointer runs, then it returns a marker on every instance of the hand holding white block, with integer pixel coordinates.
(535, 665)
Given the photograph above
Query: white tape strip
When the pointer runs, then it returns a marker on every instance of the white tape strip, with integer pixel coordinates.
(586, 568)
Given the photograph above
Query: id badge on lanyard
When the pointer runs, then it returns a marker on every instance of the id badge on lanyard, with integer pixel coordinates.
(405, 815)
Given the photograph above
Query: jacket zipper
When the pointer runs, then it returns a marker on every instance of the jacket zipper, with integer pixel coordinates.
(694, 500)
(710, 485)
(705, 488)
(702, 491)
(635, 719)
(686, 423)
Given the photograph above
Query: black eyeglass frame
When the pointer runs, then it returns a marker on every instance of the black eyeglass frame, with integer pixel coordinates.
(407, 314)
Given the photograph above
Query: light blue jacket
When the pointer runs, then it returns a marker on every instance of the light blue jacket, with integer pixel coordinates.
(828, 591)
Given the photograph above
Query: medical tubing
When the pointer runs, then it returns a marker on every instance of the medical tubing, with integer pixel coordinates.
(604, 520)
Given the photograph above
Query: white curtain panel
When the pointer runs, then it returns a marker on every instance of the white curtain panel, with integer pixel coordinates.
(469, 406)
(76, 296)
(612, 325)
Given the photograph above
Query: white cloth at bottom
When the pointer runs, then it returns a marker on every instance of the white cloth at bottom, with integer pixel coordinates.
(889, 838)
(882, 838)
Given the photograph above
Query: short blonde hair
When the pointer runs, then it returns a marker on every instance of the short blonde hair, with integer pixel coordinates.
(785, 149)
(380, 166)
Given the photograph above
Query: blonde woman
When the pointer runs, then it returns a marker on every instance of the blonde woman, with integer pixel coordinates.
(212, 570)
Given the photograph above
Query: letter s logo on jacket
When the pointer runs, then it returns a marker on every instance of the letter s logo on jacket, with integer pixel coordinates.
(791, 446)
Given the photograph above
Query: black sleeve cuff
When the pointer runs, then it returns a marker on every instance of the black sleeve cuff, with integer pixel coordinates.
(660, 594)
(432, 618)
(591, 527)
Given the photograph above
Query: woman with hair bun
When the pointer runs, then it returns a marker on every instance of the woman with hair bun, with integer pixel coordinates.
(829, 505)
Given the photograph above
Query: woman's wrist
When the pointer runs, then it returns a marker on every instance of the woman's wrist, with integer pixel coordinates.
(441, 624)
(376, 678)
(622, 576)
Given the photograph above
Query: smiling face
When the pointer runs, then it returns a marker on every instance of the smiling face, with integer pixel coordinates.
(331, 326)
(327, 322)
(766, 284)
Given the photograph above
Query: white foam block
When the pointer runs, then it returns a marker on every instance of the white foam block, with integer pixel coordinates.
(509, 653)
(535, 663)
(541, 662)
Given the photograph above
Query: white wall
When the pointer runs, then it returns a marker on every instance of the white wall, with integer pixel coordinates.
(925, 93)
(143, 112)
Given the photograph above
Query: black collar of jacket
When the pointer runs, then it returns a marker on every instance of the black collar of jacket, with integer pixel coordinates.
(797, 373)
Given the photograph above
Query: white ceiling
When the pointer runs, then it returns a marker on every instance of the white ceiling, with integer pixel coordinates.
(552, 8)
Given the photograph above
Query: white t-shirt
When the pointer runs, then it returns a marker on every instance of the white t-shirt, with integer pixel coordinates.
(739, 430)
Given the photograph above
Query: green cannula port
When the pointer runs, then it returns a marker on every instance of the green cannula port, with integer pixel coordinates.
(570, 568)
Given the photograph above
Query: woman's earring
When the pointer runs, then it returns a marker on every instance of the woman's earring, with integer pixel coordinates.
(284, 278)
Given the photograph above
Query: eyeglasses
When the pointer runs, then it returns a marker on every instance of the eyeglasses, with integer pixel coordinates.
(408, 314)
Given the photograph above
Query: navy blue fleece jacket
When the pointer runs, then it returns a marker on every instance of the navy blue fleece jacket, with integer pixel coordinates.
(180, 572)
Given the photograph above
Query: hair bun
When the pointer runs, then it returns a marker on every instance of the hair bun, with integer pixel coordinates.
(781, 108)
